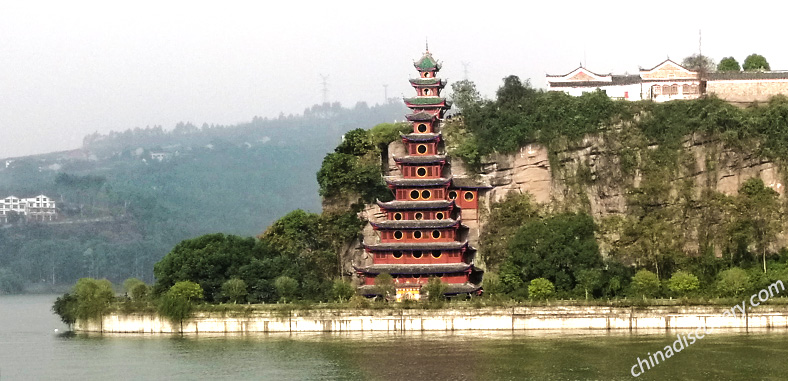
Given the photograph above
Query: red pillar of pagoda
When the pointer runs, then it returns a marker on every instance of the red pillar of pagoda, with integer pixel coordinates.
(421, 236)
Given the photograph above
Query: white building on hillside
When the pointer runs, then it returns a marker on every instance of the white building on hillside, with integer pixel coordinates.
(39, 208)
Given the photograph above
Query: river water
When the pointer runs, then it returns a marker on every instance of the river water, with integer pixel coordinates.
(30, 349)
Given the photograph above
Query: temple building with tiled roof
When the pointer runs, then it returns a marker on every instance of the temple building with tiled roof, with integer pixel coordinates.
(670, 81)
(422, 234)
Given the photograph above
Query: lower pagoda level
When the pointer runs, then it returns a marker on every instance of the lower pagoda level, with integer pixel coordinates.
(421, 235)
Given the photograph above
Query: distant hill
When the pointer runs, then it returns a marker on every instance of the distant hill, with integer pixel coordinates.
(127, 197)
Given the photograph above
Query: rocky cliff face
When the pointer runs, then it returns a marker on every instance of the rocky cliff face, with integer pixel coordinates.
(589, 176)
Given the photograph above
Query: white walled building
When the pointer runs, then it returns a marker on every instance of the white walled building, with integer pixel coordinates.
(39, 208)
(664, 82)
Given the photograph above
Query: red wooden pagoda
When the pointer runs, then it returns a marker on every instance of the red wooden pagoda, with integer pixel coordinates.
(422, 235)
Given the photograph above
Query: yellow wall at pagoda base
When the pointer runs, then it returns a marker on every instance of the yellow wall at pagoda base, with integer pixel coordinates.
(397, 320)
(408, 293)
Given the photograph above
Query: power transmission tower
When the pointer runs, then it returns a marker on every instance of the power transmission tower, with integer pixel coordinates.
(465, 68)
(324, 83)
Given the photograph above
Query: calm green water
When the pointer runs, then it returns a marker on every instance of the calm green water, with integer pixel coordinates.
(31, 350)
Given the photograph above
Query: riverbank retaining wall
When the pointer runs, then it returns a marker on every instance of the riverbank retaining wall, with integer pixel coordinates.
(396, 320)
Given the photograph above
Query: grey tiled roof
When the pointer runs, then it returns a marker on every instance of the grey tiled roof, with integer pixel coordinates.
(747, 75)
(410, 205)
(393, 269)
(421, 137)
(398, 181)
(426, 159)
(415, 224)
(421, 116)
(417, 246)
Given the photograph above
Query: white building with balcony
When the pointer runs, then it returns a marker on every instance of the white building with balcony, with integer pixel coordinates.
(38, 208)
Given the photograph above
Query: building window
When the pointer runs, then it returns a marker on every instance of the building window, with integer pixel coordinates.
(436, 234)
(414, 195)
(417, 254)
(417, 234)
(674, 90)
(425, 194)
(422, 149)
(436, 254)
(439, 216)
(452, 195)
(397, 234)
(418, 215)
(422, 128)
(421, 172)
(397, 216)
(468, 196)
(427, 92)
(397, 254)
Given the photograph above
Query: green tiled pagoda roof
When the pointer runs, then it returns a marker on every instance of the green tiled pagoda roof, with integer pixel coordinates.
(412, 205)
(426, 62)
(415, 224)
(425, 100)
(427, 81)
(408, 269)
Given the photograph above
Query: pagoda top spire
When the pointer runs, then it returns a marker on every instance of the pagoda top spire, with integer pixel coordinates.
(426, 62)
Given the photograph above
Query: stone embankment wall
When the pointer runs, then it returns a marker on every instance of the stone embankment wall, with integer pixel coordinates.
(519, 318)
(747, 91)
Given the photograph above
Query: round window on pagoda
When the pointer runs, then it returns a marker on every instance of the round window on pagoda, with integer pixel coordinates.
(436, 254)
(421, 172)
(397, 234)
(422, 149)
(427, 92)
(397, 254)
(418, 215)
(414, 195)
(397, 216)
(417, 234)
(436, 234)
(468, 196)
(427, 74)
(452, 195)
(417, 254)
(440, 275)
(425, 194)
(422, 128)
(416, 276)
(439, 216)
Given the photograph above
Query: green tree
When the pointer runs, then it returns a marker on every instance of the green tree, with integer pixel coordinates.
(541, 289)
(683, 283)
(178, 302)
(506, 217)
(235, 290)
(342, 290)
(464, 94)
(93, 298)
(136, 289)
(434, 289)
(286, 287)
(755, 62)
(589, 280)
(356, 142)
(384, 286)
(10, 282)
(384, 133)
(697, 62)
(759, 207)
(66, 308)
(728, 64)
(733, 282)
(555, 248)
(645, 284)
(209, 260)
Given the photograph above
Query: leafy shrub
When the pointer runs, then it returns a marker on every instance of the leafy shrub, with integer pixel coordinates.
(286, 287)
(683, 283)
(342, 290)
(645, 284)
(541, 289)
(733, 282)
(434, 290)
(234, 290)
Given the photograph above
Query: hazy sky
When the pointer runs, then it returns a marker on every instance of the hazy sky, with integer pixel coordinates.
(69, 68)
